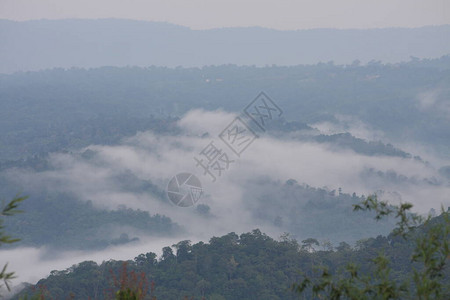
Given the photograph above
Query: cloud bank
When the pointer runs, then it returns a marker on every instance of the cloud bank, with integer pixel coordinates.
(157, 158)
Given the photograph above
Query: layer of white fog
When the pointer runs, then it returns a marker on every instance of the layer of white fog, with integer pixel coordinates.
(157, 158)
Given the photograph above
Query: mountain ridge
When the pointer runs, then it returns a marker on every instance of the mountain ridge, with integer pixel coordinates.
(42, 44)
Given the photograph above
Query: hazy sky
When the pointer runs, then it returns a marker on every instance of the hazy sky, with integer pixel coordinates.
(280, 14)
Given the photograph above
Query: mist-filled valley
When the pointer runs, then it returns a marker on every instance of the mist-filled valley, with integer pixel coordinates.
(95, 151)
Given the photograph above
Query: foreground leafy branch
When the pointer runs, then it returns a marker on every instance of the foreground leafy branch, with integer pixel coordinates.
(430, 255)
(9, 209)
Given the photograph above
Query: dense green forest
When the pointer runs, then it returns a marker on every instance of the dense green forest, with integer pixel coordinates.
(64, 222)
(60, 112)
(75, 107)
(247, 266)
(281, 160)
(305, 211)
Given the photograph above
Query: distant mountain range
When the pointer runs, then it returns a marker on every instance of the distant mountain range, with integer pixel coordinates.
(41, 44)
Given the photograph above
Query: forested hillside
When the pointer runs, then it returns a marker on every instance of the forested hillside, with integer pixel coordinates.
(224, 150)
(247, 266)
(94, 150)
(68, 110)
(71, 108)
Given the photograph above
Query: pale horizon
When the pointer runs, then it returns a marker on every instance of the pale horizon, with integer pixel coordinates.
(280, 14)
(226, 27)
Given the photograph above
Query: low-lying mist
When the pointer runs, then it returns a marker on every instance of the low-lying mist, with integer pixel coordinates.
(271, 177)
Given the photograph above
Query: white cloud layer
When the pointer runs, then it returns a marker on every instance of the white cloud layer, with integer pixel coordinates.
(158, 158)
